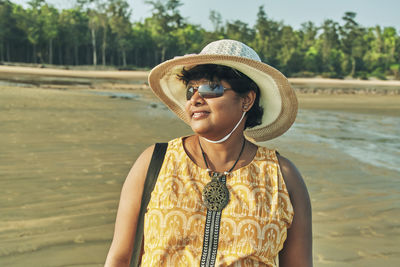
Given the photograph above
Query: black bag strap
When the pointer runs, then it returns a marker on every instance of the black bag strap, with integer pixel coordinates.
(151, 178)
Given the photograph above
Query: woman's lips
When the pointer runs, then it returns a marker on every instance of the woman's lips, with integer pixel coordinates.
(200, 114)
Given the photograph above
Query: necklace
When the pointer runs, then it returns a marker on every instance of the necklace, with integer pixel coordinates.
(215, 193)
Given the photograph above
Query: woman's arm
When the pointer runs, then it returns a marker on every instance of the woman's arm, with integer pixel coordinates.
(297, 250)
(128, 211)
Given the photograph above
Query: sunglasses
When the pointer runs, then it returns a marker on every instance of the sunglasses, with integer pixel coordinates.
(207, 90)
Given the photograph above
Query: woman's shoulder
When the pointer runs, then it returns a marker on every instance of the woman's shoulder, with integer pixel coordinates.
(294, 181)
(141, 164)
(145, 157)
(298, 245)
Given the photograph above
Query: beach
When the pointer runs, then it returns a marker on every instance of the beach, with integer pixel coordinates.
(68, 141)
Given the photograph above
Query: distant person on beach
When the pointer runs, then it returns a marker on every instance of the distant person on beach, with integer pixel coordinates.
(220, 199)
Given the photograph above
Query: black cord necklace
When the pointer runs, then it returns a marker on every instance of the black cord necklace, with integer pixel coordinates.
(215, 193)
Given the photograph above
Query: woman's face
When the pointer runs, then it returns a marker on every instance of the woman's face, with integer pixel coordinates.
(213, 118)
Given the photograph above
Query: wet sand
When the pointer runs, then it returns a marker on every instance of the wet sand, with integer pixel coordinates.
(65, 154)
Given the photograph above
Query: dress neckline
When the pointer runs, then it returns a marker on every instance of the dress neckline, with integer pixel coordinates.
(257, 155)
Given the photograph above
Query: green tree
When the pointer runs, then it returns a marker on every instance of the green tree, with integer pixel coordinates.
(308, 60)
(352, 42)
(328, 44)
(30, 22)
(49, 17)
(307, 34)
(120, 25)
(189, 39)
(267, 39)
(164, 21)
(288, 56)
(328, 40)
(7, 28)
(94, 26)
(104, 23)
(74, 33)
(239, 30)
(143, 45)
(390, 42)
(98, 21)
(312, 60)
(374, 57)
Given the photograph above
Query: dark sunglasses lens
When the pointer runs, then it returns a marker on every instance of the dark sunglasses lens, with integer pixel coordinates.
(206, 91)
(211, 90)
(189, 93)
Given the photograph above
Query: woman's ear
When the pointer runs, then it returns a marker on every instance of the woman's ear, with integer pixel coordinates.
(248, 100)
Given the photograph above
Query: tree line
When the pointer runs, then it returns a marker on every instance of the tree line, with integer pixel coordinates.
(100, 32)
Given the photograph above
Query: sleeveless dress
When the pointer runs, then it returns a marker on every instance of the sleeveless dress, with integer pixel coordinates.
(253, 225)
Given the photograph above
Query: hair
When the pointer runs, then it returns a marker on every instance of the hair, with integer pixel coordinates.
(240, 83)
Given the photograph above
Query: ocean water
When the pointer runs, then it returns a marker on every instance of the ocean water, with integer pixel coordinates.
(121, 95)
(371, 139)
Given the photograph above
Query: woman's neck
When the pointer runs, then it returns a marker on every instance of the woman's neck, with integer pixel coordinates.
(221, 157)
(226, 137)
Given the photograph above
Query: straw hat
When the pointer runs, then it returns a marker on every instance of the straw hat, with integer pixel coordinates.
(277, 97)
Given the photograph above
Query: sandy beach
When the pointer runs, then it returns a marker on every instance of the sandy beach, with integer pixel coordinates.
(67, 146)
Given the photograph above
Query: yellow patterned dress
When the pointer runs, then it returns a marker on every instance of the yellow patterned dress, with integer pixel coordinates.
(253, 226)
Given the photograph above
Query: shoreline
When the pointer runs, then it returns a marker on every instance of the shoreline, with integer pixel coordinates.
(368, 97)
(302, 85)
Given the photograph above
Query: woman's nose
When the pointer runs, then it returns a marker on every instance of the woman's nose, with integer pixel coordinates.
(196, 99)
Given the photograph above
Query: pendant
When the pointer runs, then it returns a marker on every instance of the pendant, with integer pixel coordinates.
(215, 193)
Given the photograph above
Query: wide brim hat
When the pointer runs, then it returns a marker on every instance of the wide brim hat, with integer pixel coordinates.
(277, 97)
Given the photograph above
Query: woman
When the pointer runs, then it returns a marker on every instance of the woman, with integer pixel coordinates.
(220, 199)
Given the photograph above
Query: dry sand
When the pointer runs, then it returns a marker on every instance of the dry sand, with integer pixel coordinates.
(121, 75)
(371, 104)
(10, 72)
(65, 154)
(314, 82)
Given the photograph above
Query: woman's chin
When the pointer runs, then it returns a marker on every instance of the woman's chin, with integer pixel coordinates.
(206, 133)
(200, 128)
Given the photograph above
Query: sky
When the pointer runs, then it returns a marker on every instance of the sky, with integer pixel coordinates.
(292, 12)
